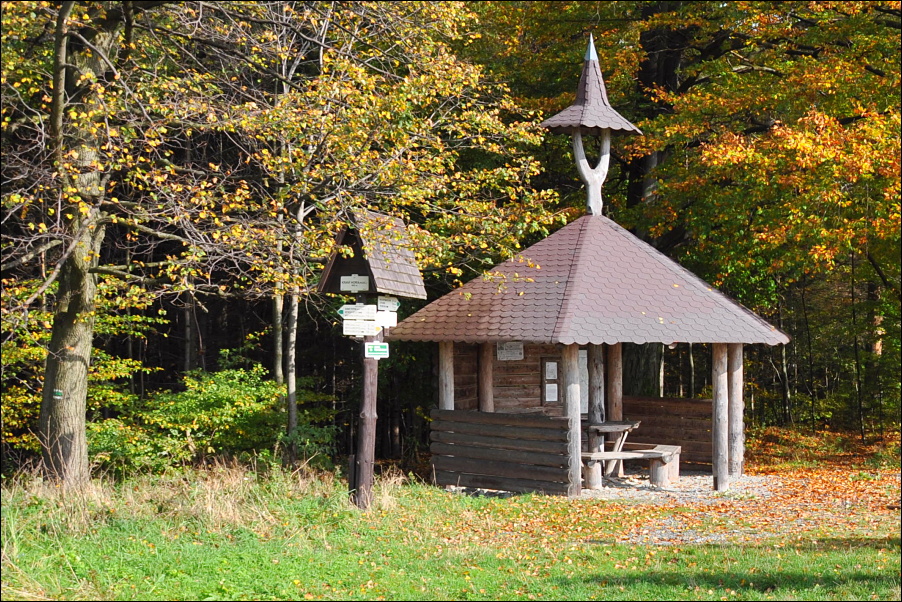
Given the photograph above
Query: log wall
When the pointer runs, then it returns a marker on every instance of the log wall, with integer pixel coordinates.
(517, 385)
(466, 386)
(510, 452)
(683, 422)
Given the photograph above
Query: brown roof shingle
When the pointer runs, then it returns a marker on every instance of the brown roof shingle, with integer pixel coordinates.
(390, 256)
(382, 252)
(595, 283)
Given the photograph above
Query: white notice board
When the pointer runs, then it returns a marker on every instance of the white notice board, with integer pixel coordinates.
(509, 352)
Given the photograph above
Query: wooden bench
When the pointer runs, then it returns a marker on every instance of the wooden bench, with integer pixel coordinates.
(663, 460)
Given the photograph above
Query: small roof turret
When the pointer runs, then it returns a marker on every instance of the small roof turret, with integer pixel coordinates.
(591, 112)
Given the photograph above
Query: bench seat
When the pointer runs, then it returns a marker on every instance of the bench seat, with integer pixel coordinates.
(664, 460)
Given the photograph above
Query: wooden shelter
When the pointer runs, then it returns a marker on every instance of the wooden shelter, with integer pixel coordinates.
(530, 369)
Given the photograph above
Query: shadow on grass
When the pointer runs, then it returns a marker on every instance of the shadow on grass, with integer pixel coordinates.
(846, 543)
(823, 565)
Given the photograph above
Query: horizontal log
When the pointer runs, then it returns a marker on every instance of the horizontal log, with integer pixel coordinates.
(504, 455)
(499, 483)
(676, 424)
(671, 437)
(500, 418)
(668, 400)
(494, 430)
(692, 443)
(527, 366)
(666, 413)
(519, 403)
(548, 447)
(666, 409)
(494, 468)
(691, 413)
(511, 380)
(524, 391)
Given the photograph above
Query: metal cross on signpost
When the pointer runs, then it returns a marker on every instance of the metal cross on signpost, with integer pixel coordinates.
(382, 263)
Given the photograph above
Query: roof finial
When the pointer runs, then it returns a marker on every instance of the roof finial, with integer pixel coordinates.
(591, 114)
(591, 55)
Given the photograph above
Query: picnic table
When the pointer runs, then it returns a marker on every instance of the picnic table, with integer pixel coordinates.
(617, 431)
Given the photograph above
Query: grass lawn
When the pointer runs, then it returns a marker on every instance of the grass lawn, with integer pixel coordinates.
(831, 533)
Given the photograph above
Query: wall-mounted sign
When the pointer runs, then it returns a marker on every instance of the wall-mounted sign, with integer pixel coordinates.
(357, 312)
(354, 283)
(388, 303)
(376, 350)
(360, 328)
(509, 352)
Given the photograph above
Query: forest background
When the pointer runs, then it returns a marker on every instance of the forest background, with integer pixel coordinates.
(174, 175)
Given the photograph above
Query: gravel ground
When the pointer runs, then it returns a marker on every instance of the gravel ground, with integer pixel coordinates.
(693, 487)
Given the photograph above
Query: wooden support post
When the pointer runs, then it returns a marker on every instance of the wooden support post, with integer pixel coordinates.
(615, 392)
(615, 382)
(596, 414)
(446, 375)
(719, 422)
(570, 381)
(362, 487)
(486, 371)
(736, 407)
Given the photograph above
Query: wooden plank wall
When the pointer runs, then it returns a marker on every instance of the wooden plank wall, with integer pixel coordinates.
(466, 357)
(517, 384)
(683, 422)
(510, 452)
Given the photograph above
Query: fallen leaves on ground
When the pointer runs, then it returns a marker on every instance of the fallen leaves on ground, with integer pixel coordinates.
(836, 498)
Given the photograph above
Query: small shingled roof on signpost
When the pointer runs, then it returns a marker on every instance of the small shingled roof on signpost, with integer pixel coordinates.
(382, 252)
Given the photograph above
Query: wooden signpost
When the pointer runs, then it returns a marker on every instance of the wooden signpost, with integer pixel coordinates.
(381, 263)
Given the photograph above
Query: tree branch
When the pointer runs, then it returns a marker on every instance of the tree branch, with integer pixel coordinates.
(883, 278)
(29, 256)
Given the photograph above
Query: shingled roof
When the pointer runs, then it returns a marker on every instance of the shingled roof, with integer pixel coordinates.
(595, 283)
(591, 112)
(382, 252)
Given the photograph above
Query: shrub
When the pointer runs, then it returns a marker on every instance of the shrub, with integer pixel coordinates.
(231, 412)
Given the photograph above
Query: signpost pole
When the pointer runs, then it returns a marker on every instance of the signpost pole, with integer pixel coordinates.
(362, 486)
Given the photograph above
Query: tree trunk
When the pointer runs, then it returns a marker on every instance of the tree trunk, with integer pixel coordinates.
(642, 369)
(64, 399)
(62, 419)
(278, 303)
(642, 364)
(291, 376)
